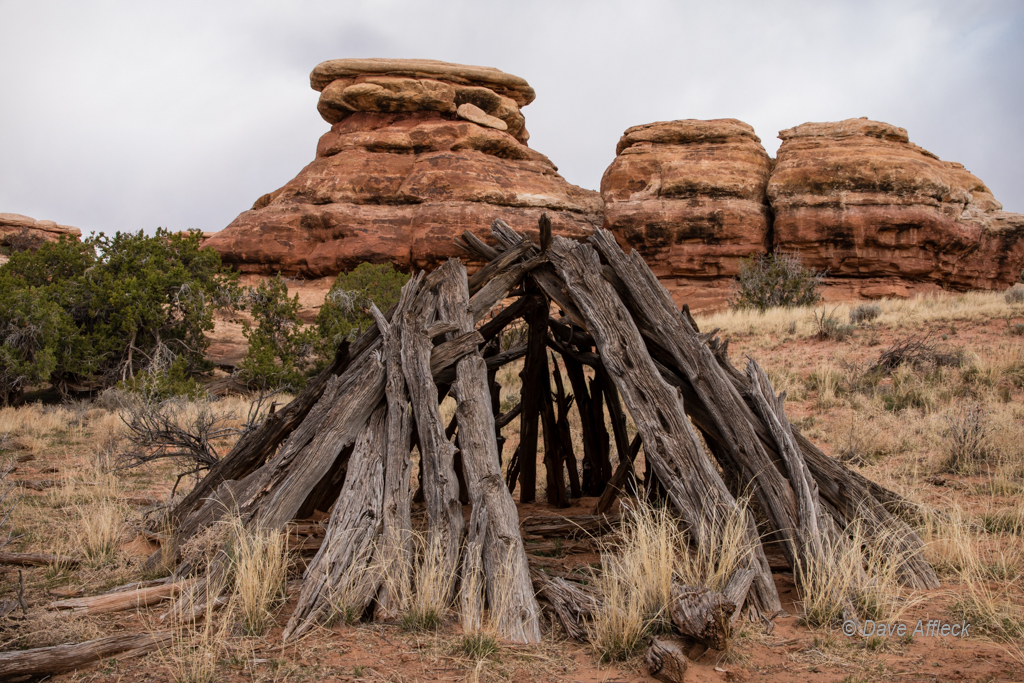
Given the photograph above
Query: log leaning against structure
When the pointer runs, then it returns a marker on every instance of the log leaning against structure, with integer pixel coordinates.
(346, 444)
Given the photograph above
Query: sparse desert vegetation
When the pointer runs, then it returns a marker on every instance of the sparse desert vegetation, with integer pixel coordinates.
(923, 396)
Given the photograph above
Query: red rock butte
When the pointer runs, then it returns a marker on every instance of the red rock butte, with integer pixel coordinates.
(883, 216)
(418, 152)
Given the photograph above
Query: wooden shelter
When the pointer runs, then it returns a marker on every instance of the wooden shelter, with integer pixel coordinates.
(708, 431)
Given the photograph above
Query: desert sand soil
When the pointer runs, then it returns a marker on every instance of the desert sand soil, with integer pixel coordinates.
(781, 651)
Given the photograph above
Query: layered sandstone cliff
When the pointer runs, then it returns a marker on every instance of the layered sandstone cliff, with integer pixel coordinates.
(418, 152)
(857, 198)
(14, 226)
(690, 197)
(883, 216)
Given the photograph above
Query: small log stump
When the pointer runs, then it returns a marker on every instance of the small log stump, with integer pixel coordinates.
(666, 661)
(702, 614)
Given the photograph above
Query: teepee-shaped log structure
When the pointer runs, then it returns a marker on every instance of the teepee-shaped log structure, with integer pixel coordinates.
(345, 443)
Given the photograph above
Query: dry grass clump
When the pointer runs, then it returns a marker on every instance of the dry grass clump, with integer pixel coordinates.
(652, 553)
(259, 568)
(966, 437)
(199, 639)
(856, 576)
(100, 528)
(432, 587)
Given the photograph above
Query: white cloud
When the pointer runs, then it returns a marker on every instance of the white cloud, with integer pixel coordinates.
(128, 115)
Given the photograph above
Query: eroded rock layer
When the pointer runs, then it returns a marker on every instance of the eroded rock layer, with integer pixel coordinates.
(857, 198)
(418, 152)
(14, 227)
(690, 197)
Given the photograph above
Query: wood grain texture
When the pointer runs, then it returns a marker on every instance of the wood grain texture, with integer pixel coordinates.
(512, 607)
(671, 445)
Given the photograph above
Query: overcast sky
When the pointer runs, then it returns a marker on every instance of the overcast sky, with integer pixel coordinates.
(133, 115)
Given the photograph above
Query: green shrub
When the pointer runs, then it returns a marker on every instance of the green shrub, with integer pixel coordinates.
(281, 352)
(166, 378)
(1014, 295)
(772, 280)
(31, 328)
(122, 300)
(346, 310)
(864, 313)
(829, 327)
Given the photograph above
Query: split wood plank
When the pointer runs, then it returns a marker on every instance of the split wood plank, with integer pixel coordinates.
(512, 605)
(533, 373)
(446, 524)
(343, 572)
(396, 551)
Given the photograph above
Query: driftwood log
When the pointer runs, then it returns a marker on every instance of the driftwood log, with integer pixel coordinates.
(120, 601)
(53, 660)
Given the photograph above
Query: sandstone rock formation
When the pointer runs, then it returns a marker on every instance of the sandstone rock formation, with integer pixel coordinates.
(14, 228)
(690, 197)
(856, 197)
(418, 152)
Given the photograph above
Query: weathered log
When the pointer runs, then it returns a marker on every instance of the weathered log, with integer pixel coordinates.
(500, 285)
(446, 524)
(53, 660)
(670, 444)
(591, 449)
(652, 306)
(445, 355)
(37, 559)
(569, 526)
(342, 576)
(666, 661)
(395, 553)
(509, 593)
(565, 431)
(472, 243)
(601, 471)
(703, 615)
(572, 603)
(736, 589)
(554, 463)
(501, 262)
(495, 325)
(618, 480)
(118, 602)
(533, 373)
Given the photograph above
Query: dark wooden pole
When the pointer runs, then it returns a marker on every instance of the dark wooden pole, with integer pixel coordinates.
(534, 376)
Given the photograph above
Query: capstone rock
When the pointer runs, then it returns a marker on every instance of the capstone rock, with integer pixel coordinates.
(414, 157)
